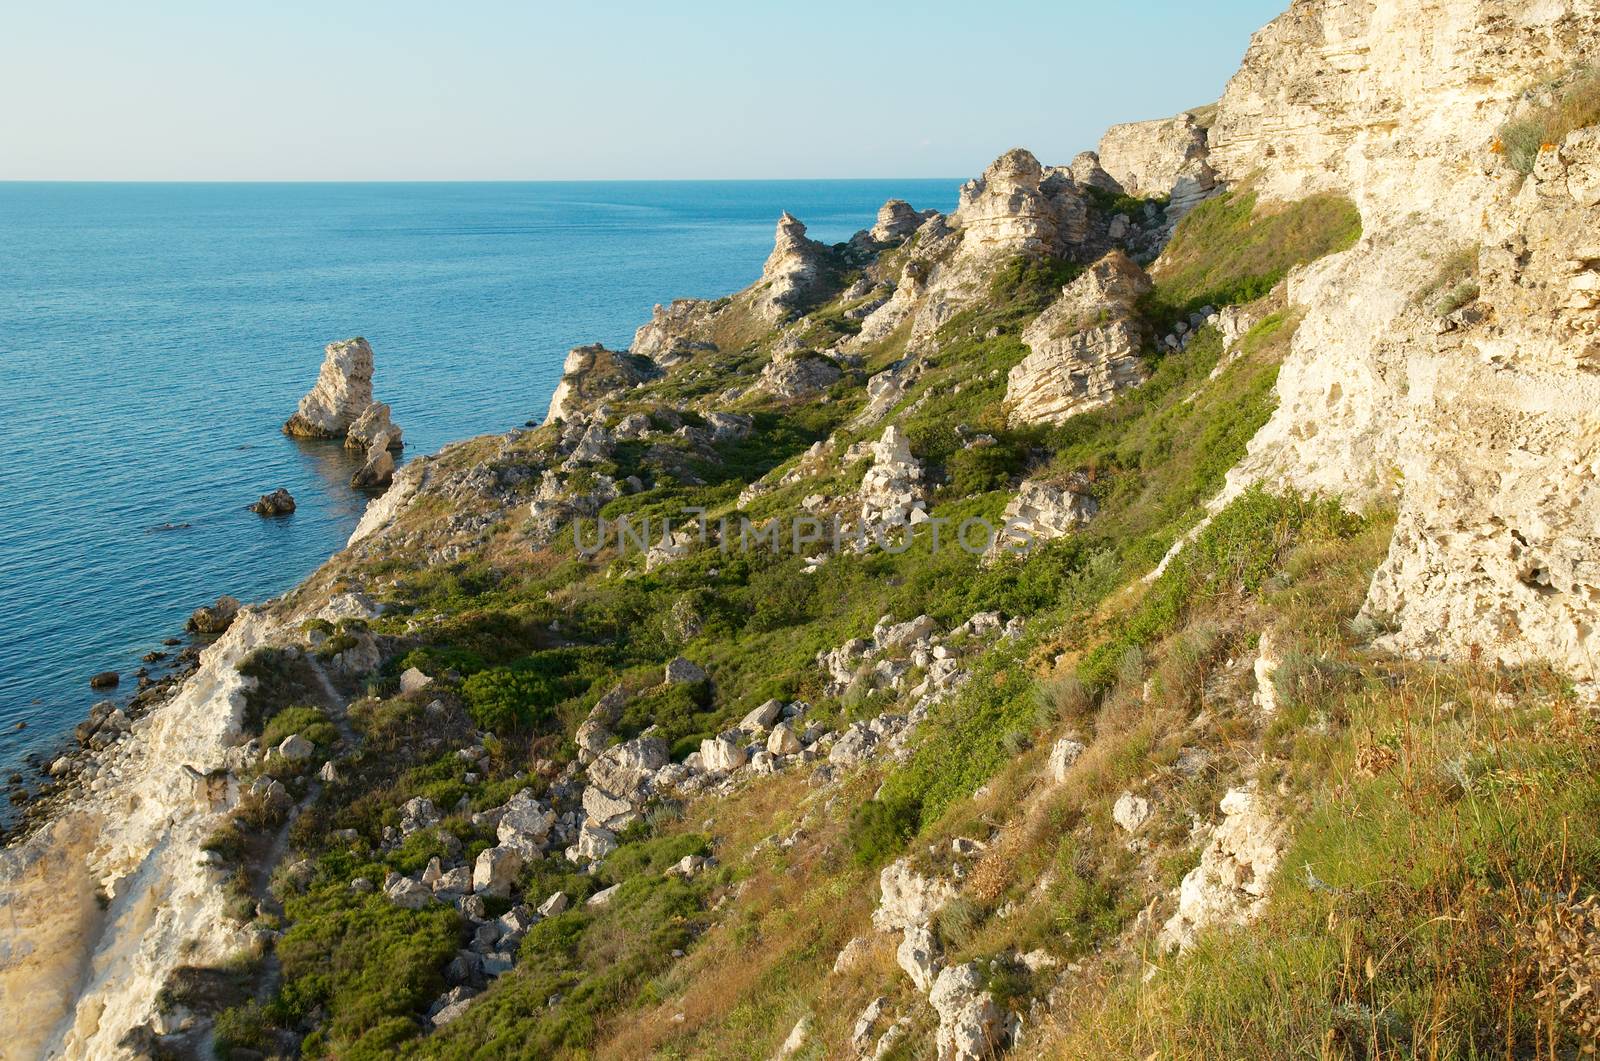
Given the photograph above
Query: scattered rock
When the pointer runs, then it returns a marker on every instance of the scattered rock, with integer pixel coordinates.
(296, 748)
(1130, 812)
(105, 680)
(495, 872)
(682, 672)
(278, 503)
(213, 620)
(907, 899)
(970, 1028)
(413, 680)
(918, 955)
(1063, 753)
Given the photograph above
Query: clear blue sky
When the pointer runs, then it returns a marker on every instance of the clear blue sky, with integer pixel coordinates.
(403, 90)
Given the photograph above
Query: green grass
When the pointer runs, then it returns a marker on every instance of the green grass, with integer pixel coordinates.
(1231, 249)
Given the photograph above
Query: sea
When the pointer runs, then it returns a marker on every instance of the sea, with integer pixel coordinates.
(154, 337)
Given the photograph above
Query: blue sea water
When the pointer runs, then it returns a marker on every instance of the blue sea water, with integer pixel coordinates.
(153, 338)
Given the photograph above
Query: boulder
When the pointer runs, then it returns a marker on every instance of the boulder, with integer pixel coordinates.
(896, 220)
(413, 680)
(722, 755)
(970, 1027)
(212, 620)
(1063, 753)
(296, 748)
(416, 814)
(557, 903)
(278, 503)
(762, 717)
(782, 740)
(594, 843)
(378, 471)
(1130, 812)
(907, 899)
(407, 893)
(496, 871)
(105, 680)
(457, 881)
(682, 672)
(373, 428)
(789, 376)
(525, 824)
(918, 954)
(342, 393)
(1043, 512)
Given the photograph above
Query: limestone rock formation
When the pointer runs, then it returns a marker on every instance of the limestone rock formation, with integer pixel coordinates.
(1480, 423)
(1085, 345)
(1020, 207)
(374, 422)
(342, 393)
(970, 1027)
(894, 486)
(1087, 170)
(1042, 512)
(1229, 885)
(676, 332)
(798, 376)
(1147, 158)
(378, 471)
(592, 372)
(797, 273)
(896, 220)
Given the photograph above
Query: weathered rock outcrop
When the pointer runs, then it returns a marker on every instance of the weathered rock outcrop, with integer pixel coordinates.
(798, 273)
(1042, 512)
(676, 332)
(1085, 345)
(1021, 207)
(1479, 423)
(592, 372)
(897, 220)
(342, 392)
(1229, 886)
(798, 375)
(1147, 158)
(372, 426)
(83, 968)
(894, 486)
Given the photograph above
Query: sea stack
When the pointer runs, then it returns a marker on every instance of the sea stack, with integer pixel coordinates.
(342, 393)
(340, 406)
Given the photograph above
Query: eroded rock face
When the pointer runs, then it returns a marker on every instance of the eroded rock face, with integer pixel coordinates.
(676, 332)
(1478, 423)
(1042, 512)
(1146, 158)
(1085, 345)
(1020, 207)
(1229, 886)
(592, 372)
(970, 1027)
(894, 486)
(897, 220)
(373, 426)
(342, 393)
(907, 899)
(1494, 551)
(798, 376)
(797, 273)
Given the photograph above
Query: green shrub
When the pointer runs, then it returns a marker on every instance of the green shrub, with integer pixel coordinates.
(244, 1027)
(1234, 554)
(879, 829)
(310, 722)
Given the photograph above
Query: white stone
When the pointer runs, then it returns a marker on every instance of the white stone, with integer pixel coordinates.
(1130, 812)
